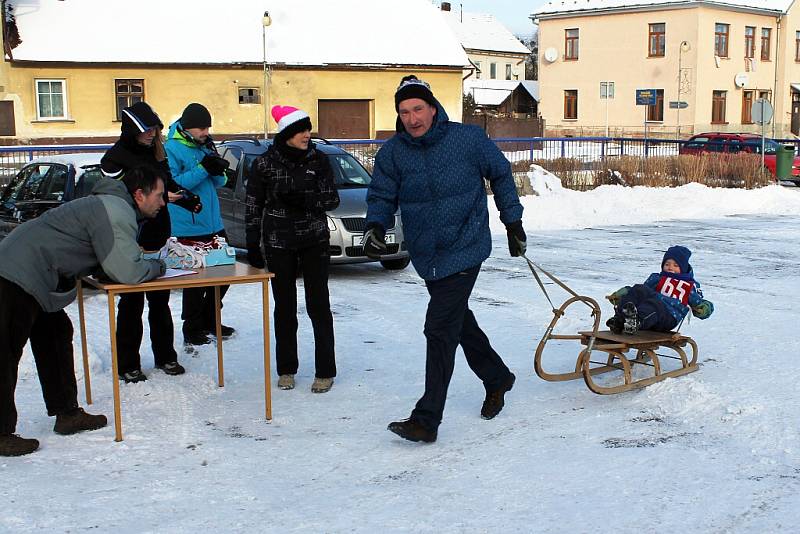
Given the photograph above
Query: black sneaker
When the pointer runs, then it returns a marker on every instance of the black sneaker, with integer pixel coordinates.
(77, 420)
(631, 318)
(227, 332)
(132, 377)
(495, 400)
(196, 338)
(13, 445)
(412, 431)
(616, 324)
(172, 368)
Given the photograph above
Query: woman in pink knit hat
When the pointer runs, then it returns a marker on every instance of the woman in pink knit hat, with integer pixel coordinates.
(291, 186)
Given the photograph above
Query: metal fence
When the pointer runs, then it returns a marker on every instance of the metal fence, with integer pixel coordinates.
(519, 151)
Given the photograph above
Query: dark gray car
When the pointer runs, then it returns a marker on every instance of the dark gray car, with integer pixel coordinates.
(346, 223)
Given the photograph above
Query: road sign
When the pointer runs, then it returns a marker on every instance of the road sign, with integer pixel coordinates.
(645, 97)
(678, 104)
(761, 111)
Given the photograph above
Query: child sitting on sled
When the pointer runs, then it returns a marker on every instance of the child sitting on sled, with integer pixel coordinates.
(664, 299)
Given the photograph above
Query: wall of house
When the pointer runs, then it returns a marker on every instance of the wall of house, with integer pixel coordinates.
(517, 63)
(91, 107)
(615, 48)
(788, 69)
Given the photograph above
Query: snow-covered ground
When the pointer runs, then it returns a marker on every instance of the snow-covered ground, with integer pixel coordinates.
(715, 451)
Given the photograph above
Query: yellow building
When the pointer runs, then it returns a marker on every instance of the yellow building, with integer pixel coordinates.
(706, 61)
(339, 61)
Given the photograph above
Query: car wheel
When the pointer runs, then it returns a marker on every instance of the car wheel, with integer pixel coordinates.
(395, 265)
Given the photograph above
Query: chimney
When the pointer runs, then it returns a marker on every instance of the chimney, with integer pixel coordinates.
(445, 6)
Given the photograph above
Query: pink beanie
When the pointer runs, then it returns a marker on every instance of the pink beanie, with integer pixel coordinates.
(287, 116)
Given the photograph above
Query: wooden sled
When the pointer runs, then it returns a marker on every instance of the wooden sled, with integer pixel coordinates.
(644, 345)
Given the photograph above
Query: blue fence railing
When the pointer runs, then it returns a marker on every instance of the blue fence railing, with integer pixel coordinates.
(517, 150)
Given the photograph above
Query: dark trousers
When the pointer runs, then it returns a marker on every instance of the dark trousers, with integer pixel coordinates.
(448, 323)
(198, 302)
(314, 262)
(130, 330)
(653, 313)
(50, 334)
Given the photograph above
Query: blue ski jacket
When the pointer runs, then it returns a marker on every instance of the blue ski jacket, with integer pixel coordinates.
(437, 181)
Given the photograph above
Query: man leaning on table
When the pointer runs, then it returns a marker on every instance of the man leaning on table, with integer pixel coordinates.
(40, 262)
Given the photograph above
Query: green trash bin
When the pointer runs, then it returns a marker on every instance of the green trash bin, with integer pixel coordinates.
(784, 158)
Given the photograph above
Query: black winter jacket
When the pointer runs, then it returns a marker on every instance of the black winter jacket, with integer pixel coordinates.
(127, 154)
(287, 197)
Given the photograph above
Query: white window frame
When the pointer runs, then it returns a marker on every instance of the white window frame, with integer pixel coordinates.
(63, 83)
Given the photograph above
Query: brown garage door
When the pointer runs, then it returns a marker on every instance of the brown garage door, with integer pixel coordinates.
(7, 118)
(344, 119)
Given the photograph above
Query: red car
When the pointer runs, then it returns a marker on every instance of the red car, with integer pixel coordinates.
(732, 143)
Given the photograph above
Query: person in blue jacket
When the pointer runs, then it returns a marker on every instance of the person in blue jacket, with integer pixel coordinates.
(197, 167)
(434, 171)
(664, 299)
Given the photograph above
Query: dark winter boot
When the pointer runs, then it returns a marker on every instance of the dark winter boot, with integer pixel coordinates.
(13, 445)
(412, 431)
(77, 420)
(172, 368)
(616, 324)
(132, 377)
(227, 331)
(196, 338)
(495, 400)
(631, 318)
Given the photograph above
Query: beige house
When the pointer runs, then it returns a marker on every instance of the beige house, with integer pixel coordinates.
(705, 62)
(494, 52)
(339, 61)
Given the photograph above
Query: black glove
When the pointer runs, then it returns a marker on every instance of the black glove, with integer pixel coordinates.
(375, 242)
(189, 201)
(255, 258)
(214, 164)
(517, 241)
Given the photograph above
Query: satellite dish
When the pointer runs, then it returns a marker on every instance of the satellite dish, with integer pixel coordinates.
(551, 54)
(741, 79)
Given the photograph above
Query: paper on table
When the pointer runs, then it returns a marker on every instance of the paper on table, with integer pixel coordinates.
(172, 273)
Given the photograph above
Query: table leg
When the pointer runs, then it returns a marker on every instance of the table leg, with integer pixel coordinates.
(87, 381)
(265, 330)
(112, 328)
(218, 314)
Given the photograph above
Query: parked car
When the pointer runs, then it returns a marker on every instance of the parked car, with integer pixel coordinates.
(733, 143)
(45, 183)
(346, 223)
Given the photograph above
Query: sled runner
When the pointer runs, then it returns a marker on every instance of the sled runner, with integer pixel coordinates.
(635, 356)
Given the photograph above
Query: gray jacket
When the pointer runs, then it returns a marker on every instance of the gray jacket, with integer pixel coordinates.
(46, 255)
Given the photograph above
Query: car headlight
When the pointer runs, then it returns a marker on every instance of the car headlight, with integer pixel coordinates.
(331, 224)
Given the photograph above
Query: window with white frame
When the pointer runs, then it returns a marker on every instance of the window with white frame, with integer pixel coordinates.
(51, 99)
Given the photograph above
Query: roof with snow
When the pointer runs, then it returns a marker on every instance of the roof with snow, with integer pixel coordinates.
(307, 32)
(558, 7)
(494, 92)
(478, 31)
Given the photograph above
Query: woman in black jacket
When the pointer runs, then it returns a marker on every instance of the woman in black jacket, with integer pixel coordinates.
(291, 186)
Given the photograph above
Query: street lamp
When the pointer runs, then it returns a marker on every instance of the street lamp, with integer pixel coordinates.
(266, 20)
(684, 47)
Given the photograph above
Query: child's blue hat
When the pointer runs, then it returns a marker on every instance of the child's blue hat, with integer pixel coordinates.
(679, 255)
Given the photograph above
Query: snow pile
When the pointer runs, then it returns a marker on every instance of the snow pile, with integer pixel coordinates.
(544, 182)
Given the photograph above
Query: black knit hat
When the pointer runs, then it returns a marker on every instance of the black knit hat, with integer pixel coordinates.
(137, 119)
(195, 116)
(413, 87)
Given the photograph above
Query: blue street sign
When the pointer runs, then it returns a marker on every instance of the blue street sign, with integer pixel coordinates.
(645, 97)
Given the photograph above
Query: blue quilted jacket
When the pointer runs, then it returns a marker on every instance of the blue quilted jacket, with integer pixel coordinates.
(674, 304)
(437, 182)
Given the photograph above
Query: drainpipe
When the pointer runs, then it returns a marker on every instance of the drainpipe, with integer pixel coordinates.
(775, 82)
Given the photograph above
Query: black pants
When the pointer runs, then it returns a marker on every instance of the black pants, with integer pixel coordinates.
(198, 302)
(50, 334)
(130, 330)
(448, 323)
(314, 262)
(653, 313)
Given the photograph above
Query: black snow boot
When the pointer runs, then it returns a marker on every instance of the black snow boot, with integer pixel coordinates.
(77, 420)
(631, 318)
(616, 324)
(412, 431)
(495, 400)
(13, 445)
